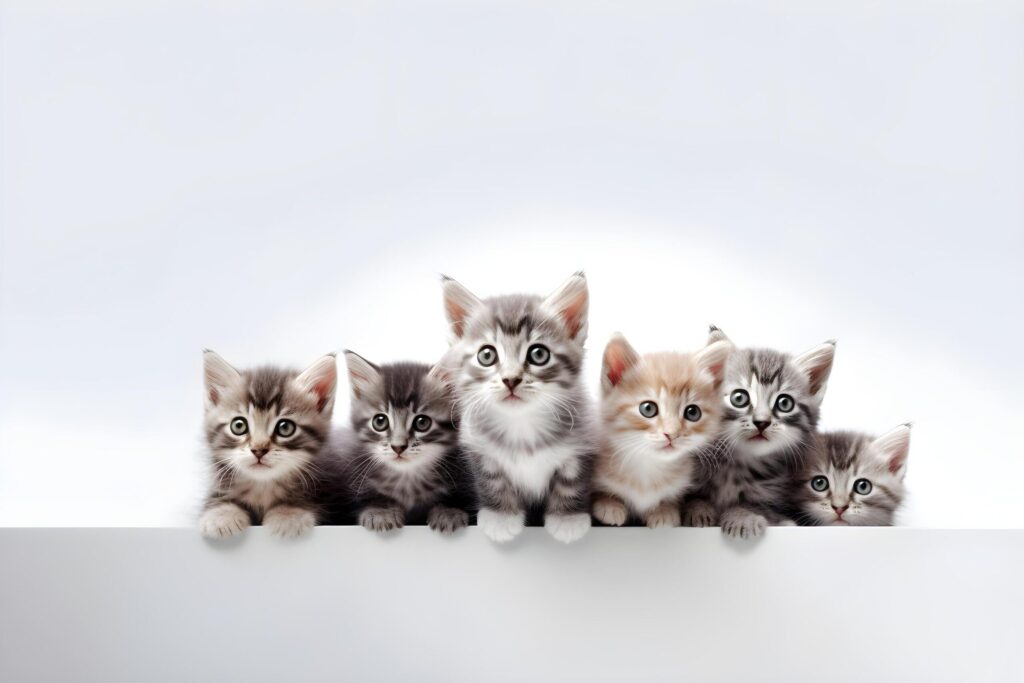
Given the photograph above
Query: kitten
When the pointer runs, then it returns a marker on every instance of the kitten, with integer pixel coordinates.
(853, 479)
(659, 410)
(771, 402)
(526, 426)
(406, 464)
(264, 429)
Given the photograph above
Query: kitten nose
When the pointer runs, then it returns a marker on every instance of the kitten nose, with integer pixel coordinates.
(259, 453)
(840, 510)
(399, 448)
(762, 424)
(511, 382)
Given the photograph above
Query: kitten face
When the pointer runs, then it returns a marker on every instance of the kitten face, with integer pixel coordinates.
(771, 399)
(267, 423)
(402, 412)
(852, 479)
(661, 406)
(516, 356)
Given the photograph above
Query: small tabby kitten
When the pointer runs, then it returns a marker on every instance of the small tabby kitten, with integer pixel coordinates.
(265, 428)
(659, 410)
(526, 421)
(771, 404)
(405, 465)
(852, 479)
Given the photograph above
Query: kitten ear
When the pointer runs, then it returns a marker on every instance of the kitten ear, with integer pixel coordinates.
(319, 379)
(363, 375)
(619, 357)
(218, 377)
(894, 448)
(459, 302)
(816, 364)
(715, 334)
(569, 304)
(711, 359)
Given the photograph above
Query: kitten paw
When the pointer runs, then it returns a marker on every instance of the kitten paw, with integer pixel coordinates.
(499, 526)
(567, 528)
(610, 511)
(381, 519)
(743, 524)
(224, 520)
(699, 513)
(288, 521)
(447, 520)
(666, 514)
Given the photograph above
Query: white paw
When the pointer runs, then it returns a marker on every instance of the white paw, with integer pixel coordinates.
(699, 513)
(610, 511)
(567, 528)
(447, 520)
(786, 522)
(663, 515)
(743, 524)
(498, 526)
(288, 521)
(381, 519)
(221, 521)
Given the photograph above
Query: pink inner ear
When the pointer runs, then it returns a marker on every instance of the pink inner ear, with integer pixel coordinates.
(895, 463)
(615, 362)
(322, 389)
(457, 314)
(214, 396)
(573, 314)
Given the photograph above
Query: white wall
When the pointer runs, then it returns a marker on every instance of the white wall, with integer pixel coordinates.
(276, 180)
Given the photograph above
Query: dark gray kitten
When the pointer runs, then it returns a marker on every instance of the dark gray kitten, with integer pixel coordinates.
(265, 429)
(849, 478)
(771, 404)
(526, 420)
(403, 464)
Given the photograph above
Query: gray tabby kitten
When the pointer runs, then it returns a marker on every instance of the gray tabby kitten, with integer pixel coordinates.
(852, 479)
(526, 422)
(771, 404)
(264, 429)
(405, 465)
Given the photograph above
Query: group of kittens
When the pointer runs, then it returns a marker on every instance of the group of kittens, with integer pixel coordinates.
(502, 429)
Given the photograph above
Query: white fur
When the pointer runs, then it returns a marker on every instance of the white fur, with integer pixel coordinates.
(500, 527)
(289, 521)
(224, 520)
(567, 528)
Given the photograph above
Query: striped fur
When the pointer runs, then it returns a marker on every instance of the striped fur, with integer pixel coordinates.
(281, 487)
(760, 443)
(527, 426)
(844, 458)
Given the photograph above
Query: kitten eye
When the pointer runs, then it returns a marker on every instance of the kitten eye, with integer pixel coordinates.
(692, 413)
(819, 484)
(284, 428)
(538, 354)
(648, 408)
(487, 356)
(422, 423)
(239, 426)
(739, 398)
(379, 422)
(784, 403)
(862, 486)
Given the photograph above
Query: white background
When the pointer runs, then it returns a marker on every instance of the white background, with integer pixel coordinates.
(278, 180)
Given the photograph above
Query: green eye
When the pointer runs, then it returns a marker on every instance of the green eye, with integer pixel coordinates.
(239, 426)
(862, 486)
(739, 398)
(422, 423)
(538, 354)
(284, 428)
(379, 422)
(692, 413)
(819, 484)
(487, 356)
(648, 409)
(784, 403)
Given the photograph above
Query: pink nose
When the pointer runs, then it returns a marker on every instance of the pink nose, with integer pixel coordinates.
(259, 453)
(840, 511)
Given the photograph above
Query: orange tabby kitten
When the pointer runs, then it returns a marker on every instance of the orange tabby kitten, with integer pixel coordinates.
(658, 411)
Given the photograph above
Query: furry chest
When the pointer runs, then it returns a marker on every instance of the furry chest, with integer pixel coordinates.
(531, 471)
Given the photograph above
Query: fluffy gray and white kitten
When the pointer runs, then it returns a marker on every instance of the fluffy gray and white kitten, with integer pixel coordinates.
(265, 429)
(851, 478)
(526, 422)
(403, 464)
(771, 404)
